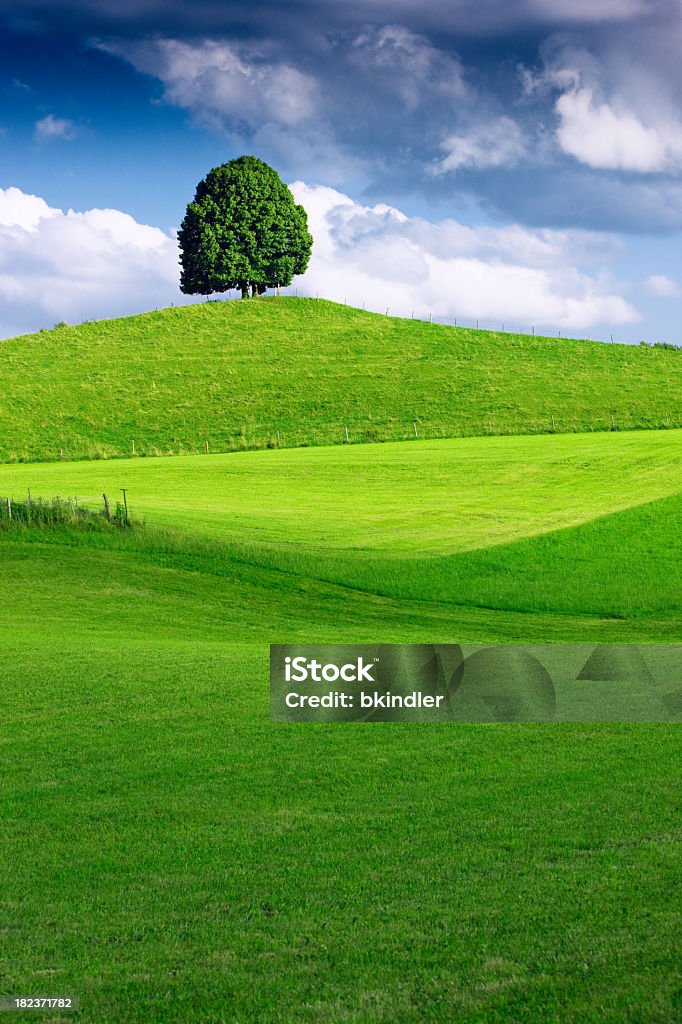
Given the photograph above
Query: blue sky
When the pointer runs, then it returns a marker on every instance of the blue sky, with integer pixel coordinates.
(520, 164)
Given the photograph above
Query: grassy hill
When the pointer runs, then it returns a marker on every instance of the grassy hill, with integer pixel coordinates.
(291, 372)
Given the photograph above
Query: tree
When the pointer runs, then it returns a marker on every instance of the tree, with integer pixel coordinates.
(243, 230)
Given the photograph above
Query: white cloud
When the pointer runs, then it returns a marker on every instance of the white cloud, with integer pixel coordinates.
(496, 144)
(73, 266)
(378, 256)
(614, 113)
(21, 211)
(663, 286)
(225, 84)
(604, 137)
(409, 65)
(51, 127)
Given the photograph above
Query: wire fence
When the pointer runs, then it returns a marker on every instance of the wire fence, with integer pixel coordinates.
(261, 436)
(489, 324)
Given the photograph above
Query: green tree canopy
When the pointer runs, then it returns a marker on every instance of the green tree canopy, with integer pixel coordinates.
(243, 230)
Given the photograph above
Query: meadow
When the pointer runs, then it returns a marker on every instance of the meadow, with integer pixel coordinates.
(289, 372)
(169, 855)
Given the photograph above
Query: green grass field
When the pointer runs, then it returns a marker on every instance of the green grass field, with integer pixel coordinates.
(170, 855)
(291, 372)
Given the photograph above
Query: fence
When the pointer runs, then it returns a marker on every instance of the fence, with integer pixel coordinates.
(53, 512)
(541, 330)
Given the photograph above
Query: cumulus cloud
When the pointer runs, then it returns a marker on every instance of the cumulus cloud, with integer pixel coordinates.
(224, 83)
(496, 144)
(57, 265)
(614, 112)
(663, 286)
(602, 136)
(378, 256)
(408, 65)
(49, 128)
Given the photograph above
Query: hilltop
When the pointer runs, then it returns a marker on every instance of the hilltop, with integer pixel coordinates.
(295, 372)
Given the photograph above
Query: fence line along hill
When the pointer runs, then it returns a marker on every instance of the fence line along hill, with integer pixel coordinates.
(288, 372)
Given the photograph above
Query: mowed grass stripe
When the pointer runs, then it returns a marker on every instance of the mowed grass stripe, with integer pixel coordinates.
(616, 576)
(435, 497)
(237, 374)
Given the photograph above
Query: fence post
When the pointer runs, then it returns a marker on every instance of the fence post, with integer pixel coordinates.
(415, 430)
(207, 447)
(9, 508)
(107, 510)
(346, 429)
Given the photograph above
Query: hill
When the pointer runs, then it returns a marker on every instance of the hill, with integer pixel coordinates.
(293, 372)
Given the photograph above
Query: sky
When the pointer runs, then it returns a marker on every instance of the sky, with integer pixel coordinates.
(516, 164)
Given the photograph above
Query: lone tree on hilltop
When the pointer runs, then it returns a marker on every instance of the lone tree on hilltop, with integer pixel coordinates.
(243, 230)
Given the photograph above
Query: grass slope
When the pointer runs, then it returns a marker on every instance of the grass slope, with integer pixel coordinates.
(580, 529)
(433, 497)
(237, 374)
